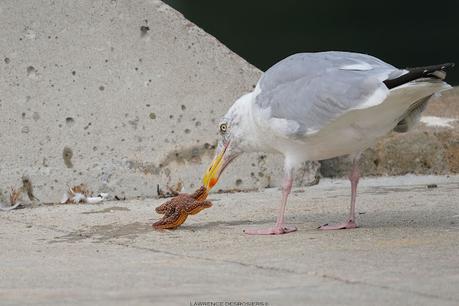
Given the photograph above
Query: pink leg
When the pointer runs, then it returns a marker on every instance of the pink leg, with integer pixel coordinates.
(279, 227)
(350, 223)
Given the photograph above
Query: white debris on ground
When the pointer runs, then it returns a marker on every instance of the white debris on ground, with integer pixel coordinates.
(77, 194)
(438, 121)
(15, 200)
(80, 194)
(7, 207)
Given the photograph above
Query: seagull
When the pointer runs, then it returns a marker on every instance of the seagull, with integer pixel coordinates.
(316, 106)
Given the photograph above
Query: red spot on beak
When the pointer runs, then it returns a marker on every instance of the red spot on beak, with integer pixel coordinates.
(212, 182)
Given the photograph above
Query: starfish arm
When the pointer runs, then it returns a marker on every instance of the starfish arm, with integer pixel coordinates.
(200, 194)
(171, 221)
(197, 206)
(163, 208)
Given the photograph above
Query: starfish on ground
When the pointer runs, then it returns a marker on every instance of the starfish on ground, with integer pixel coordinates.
(177, 209)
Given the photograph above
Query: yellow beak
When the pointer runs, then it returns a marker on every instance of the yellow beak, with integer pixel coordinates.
(213, 172)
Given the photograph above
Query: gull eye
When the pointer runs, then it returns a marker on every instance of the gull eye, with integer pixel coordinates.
(223, 128)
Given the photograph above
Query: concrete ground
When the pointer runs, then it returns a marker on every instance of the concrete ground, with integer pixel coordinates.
(406, 251)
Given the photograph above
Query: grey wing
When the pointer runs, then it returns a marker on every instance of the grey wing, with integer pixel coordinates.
(305, 92)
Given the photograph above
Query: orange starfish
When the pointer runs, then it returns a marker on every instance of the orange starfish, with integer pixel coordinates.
(177, 210)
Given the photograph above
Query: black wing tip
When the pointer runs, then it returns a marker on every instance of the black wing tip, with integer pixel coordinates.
(443, 66)
(432, 68)
(434, 71)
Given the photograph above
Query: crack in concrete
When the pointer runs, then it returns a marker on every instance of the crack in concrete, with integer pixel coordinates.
(249, 265)
(284, 270)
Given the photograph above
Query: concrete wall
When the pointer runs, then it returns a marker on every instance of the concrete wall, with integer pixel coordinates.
(125, 95)
(119, 95)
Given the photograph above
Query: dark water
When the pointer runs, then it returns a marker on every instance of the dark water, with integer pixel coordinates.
(403, 33)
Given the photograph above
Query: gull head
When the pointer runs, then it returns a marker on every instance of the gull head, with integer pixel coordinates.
(235, 129)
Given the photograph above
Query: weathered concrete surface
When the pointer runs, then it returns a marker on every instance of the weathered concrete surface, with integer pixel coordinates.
(431, 147)
(120, 95)
(405, 253)
(125, 95)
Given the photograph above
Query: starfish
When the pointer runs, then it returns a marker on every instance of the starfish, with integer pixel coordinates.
(177, 210)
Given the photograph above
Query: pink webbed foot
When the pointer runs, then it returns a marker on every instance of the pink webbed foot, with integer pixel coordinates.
(277, 230)
(345, 225)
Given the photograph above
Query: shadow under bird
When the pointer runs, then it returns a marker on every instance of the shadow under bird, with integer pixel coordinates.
(315, 106)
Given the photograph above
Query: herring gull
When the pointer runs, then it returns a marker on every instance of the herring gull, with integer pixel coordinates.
(315, 106)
